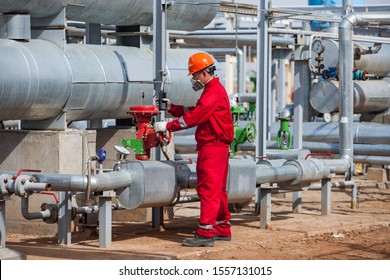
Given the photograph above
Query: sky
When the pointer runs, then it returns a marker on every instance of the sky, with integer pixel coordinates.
(288, 3)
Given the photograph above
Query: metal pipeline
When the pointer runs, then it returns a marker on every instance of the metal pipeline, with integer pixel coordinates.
(100, 182)
(33, 215)
(349, 22)
(85, 81)
(322, 147)
(368, 96)
(183, 15)
(364, 133)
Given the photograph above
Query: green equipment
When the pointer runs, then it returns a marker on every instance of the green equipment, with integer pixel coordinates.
(284, 137)
(241, 134)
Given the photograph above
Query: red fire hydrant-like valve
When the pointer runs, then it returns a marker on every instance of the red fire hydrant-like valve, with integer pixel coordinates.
(146, 137)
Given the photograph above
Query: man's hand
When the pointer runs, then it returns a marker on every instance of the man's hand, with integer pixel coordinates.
(168, 102)
(160, 126)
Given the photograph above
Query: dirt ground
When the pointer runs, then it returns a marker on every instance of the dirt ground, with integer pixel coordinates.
(358, 234)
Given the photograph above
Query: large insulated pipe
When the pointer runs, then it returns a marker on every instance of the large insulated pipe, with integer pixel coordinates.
(368, 96)
(85, 81)
(182, 15)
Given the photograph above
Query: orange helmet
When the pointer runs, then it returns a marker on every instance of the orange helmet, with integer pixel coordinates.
(199, 61)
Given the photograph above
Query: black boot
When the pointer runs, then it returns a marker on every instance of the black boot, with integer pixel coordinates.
(222, 238)
(198, 241)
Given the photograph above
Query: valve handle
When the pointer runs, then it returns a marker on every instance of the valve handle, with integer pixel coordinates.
(164, 138)
(250, 130)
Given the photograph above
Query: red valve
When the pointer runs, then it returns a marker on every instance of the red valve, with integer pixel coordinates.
(24, 170)
(319, 155)
(145, 131)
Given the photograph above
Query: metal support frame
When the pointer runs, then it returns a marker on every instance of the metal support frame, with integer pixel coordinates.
(302, 85)
(262, 88)
(64, 219)
(159, 58)
(2, 223)
(105, 220)
(326, 197)
(265, 208)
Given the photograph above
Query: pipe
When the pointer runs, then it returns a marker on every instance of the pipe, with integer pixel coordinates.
(266, 174)
(346, 27)
(368, 96)
(183, 14)
(364, 133)
(87, 209)
(89, 82)
(32, 215)
(374, 160)
(100, 182)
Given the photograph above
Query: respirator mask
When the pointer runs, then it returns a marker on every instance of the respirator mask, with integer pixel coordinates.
(196, 84)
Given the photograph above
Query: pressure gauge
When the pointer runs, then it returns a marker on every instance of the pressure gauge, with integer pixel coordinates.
(318, 47)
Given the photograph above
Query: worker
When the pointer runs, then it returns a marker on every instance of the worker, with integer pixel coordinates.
(213, 135)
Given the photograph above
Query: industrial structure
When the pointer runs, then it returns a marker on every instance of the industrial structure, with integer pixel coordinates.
(66, 65)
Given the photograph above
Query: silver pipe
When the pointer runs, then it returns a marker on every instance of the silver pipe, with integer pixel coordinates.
(100, 182)
(346, 91)
(266, 174)
(346, 84)
(368, 96)
(374, 160)
(246, 35)
(333, 148)
(84, 72)
(32, 215)
(87, 209)
(358, 149)
(119, 12)
(364, 133)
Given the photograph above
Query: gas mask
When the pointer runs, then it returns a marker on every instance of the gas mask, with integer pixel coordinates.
(196, 84)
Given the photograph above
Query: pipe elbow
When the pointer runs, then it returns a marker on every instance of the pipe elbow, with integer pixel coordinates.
(349, 21)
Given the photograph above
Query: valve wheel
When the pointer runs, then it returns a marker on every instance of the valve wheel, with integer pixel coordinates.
(250, 130)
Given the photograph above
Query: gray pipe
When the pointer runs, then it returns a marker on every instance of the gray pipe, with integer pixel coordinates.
(368, 96)
(374, 160)
(184, 15)
(32, 215)
(367, 133)
(266, 174)
(86, 82)
(100, 182)
(87, 209)
(346, 84)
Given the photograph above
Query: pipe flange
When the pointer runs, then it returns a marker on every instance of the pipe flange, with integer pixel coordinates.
(299, 168)
(20, 182)
(5, 180)
(264, 162)
(53, 209)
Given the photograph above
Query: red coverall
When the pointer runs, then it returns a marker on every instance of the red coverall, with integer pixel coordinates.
(214, 134)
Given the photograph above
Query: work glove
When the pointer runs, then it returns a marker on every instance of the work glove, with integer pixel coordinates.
(167, 101)
(160, 126)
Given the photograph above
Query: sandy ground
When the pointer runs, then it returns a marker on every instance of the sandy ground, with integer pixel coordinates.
(358, 234)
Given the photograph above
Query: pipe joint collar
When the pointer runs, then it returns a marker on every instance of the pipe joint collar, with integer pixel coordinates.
(308, 171)
(349, 21)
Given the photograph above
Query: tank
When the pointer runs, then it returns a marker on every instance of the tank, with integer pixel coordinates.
(376, 63)
(182, 16)
(369, 96)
